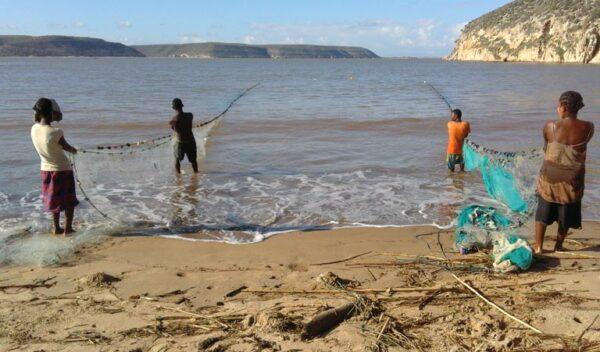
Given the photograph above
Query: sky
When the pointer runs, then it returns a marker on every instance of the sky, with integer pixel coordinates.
(388, 27)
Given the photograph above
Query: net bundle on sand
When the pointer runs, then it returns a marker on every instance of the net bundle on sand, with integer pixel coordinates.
(510, 180)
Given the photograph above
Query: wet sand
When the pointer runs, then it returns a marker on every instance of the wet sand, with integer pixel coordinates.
(171, 295)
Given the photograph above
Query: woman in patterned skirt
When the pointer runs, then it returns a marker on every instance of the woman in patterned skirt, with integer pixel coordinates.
(58, 182)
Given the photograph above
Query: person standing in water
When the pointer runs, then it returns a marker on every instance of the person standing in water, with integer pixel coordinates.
(58, 181)
(185, 143)
(562, 176)
(458, 130)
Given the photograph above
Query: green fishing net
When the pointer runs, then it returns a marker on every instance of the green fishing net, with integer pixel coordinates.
(510, 180)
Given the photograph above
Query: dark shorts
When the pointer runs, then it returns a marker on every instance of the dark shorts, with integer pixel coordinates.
(182, 149)
(454, 159)
(58, 191)
(568, 216)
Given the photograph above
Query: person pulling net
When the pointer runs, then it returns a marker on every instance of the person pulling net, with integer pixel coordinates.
(512, 179)
(133, 184)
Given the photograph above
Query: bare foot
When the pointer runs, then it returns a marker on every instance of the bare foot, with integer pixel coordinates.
(560, 248)
(58, 231)
(538, 251)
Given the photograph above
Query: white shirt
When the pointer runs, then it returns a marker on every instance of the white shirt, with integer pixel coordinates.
(45, 140)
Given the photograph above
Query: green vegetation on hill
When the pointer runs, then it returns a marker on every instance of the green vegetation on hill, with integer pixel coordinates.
(22, 45)
(229, 50)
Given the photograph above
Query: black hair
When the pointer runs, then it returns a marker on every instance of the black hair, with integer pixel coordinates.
(458, 113)
(572, 101)
(177, 103)
(43, 110)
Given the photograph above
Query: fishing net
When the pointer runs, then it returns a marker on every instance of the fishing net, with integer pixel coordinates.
(134, 184)
(510, 180)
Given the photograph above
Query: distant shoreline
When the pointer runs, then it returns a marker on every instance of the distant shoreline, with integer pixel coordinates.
(65, 46)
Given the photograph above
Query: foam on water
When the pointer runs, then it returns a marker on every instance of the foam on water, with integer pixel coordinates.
(309, 149)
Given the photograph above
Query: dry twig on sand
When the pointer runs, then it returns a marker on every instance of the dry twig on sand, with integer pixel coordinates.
(566, 255)
(342, 260)
(36, 284)
(580, 337)
(495, 306)
(195, 315)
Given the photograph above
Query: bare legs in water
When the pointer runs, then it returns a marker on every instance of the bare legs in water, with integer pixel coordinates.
(68, 222)
(178, 166)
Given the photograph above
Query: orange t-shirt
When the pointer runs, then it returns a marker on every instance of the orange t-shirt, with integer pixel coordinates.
(457, 132)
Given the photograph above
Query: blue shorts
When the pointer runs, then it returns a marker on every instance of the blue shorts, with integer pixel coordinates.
(454, 159)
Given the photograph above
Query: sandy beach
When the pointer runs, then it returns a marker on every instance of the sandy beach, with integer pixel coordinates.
(160, 294)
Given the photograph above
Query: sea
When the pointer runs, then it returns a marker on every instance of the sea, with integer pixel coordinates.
(317, 144)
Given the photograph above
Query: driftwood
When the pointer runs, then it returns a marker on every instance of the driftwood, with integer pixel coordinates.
(580, 337)
(566, 255)
(174, 293)
(327, 320)
(425, 301)
(495, 306)
(36, 284)
(195, 315)
(235, 292)
(343, 260)
(389, 289)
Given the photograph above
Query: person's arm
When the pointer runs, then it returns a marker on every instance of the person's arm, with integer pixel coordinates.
(66, 146)
(468, 130)
(547, 126)
(173, 122)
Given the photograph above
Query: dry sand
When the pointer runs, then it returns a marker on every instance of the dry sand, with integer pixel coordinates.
(170, 295)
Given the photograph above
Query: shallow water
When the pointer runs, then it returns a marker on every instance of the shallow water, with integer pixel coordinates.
(318, 143)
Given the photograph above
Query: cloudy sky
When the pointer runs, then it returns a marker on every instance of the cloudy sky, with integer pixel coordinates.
(388, 27)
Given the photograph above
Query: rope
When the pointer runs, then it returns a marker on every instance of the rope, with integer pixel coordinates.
(107, 149)
(439, 94)
(496, 153)
(73, 160)
(86, 197)
(480, 147)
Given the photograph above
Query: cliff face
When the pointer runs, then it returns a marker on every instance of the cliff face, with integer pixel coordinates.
(534, 30)
(226, 50)
(22, 45)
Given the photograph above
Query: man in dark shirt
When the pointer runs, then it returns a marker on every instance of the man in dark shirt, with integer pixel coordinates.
(183, 136)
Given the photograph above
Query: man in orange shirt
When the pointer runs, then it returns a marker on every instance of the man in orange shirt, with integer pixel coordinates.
(457, 132)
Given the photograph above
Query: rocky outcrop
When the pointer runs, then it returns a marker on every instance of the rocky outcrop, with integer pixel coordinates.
(227, 50)
(23, 45)
(534, 30)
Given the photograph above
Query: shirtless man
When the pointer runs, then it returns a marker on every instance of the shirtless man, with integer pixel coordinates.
(457, 132)
(561, 182)
(185, 143)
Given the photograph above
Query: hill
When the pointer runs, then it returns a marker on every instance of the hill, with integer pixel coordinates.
(534, 30)
(22, 45)
(230, 50)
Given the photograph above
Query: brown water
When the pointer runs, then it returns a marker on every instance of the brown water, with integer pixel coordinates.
(318, 143)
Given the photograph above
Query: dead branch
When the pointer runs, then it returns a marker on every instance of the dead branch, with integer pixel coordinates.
(328, 320)
(343, 260)
(494, 305)
(36, 284)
